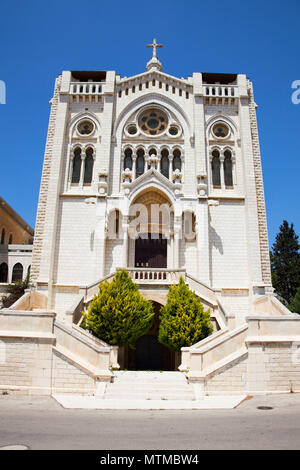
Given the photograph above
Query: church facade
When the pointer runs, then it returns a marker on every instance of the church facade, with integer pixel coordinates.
(161, 176)
(152, 172)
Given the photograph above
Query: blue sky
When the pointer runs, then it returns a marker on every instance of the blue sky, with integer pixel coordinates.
(39, 39)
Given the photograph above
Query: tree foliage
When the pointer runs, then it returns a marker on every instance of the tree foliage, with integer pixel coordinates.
(183, 319)
(285, 262)
(294, 305)
(119, 314)
(15, 291)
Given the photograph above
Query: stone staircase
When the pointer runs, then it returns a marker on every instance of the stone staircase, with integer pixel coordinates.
(149, 385)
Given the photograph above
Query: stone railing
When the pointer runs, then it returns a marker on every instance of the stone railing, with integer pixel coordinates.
(223, 91)
(156, 276)
(88, 88)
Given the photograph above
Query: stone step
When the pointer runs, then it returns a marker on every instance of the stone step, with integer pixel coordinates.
(149, 396)
(145, 386)
(133, 377)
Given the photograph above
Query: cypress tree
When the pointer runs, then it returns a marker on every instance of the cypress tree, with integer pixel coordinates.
(285, 262)
(119, 314)
(183, 321)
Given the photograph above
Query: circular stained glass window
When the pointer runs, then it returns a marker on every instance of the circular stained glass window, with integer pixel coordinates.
(85, 127)
(153, 122)
(220, 130)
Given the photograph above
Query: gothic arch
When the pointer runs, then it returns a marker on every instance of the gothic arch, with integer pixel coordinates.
(154, 99)
(79, 117)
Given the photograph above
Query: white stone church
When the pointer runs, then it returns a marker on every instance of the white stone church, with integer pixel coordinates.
(162, 176)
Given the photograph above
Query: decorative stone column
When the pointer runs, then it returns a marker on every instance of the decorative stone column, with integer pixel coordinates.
(125, 226)
(222, 158)
(177, 238)
(134, 156)
(170, 167)
(82, 168)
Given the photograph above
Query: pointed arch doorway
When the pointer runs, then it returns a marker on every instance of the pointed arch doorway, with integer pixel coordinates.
(149, 354)
(155, 228)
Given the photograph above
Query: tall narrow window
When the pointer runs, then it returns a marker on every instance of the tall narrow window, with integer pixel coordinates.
(10, 240)
(128, 159)
(3, 272)
(3, 236)
(176, 160)
(17, 273)
(140, 163)
(228, 169)
(76, 166)
(164, 163)
(88, 166)
(215, 169)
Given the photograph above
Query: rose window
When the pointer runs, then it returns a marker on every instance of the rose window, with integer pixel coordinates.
(153, 122)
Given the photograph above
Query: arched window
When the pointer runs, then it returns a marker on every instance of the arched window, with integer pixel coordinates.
(88, 166)
(176, 160)
(164, 163)
(140, 163)
(17, 273)
(3, 236)
(10, 240)
(128, 159)
(228, 169)
(76, 166)
(3, 272)
(215, 169)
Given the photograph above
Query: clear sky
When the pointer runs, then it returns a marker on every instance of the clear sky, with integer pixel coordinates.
(39, 39)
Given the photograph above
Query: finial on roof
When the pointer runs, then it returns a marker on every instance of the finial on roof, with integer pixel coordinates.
(154, 63)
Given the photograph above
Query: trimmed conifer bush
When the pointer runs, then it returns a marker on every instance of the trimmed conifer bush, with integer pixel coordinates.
(119, 314)
(183, 321)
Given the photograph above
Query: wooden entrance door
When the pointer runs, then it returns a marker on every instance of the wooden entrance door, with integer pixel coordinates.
(151, 252)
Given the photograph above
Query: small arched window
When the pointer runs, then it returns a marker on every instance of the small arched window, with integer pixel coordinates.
(10, 240)
(128, 159)
(17, 273)
(228, 169)
(76, 166)
(164, 163)
(88, 165)
(140, 163)
(176, 160)
(215, 169)
(3, 272)
(3, 236)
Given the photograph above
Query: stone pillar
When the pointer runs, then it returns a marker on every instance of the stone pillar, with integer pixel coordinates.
(125, 242)
(222, 171)
(133, 166)
(177, 237)
(171, 168)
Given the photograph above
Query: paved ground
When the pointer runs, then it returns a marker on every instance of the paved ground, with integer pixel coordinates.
(41, 423)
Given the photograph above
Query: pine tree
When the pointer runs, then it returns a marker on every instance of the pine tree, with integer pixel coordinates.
(183, 319)
(294, 305)
(119, 314)
(285, 262)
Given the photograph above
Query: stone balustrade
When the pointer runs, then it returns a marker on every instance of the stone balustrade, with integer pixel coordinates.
(156, 276)
(88, 88)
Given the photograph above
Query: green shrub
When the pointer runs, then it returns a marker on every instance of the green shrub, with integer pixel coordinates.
(183, 319)
(119, 314)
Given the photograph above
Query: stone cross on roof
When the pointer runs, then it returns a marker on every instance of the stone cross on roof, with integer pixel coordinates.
(154, 45)
(154, 62)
